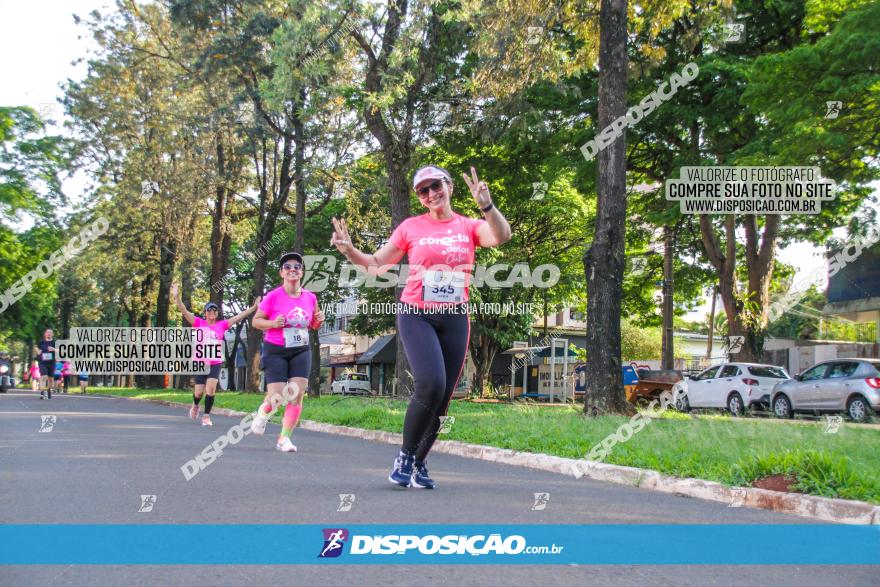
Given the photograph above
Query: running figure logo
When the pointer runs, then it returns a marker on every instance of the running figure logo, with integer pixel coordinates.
(735, 344)
(539, 188)
(47, 423)
(638, 265)
(147, 503)
(832, 424)
(832, 109)
(541, 501)
(346, 500)
(534, 35)
(334, 540)
(738, 499)
(734, 32)
(446, 423)
(46, 109)
(148, 188)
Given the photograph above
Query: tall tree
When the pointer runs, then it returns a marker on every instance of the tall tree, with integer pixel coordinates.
(411, 53)
(605, 257)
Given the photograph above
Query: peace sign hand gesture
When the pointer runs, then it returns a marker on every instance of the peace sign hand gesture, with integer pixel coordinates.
(479, 189)
(341, 240)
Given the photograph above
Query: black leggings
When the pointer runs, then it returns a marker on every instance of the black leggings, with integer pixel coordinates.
(435, 346)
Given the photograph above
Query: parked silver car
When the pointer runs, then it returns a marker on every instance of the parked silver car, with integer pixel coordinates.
(840, 385)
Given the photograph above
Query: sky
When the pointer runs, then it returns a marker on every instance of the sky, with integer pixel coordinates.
(40, 40)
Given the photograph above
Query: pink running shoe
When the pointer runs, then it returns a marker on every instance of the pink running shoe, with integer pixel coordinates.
(206, 420)
(194, 411)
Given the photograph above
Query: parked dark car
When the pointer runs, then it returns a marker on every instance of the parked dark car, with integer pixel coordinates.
(7, 381)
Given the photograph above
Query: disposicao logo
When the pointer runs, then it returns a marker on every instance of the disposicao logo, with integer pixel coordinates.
(334, 540)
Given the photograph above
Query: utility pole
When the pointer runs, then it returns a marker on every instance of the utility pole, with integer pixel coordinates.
(668, 355)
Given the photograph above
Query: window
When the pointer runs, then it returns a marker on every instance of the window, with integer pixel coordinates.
(773, 372)
(817, 372)
(729, 371)
(707, 374)
(575, 315)
(839, 370)
(359, 377)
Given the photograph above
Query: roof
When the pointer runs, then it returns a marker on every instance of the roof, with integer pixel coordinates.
(859, 305)
(381, 351)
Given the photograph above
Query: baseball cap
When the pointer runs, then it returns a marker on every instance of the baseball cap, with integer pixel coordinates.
(211, 306)
(289, 256)
(429, 172)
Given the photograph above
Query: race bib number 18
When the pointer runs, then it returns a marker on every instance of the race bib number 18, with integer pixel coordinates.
(294, 337)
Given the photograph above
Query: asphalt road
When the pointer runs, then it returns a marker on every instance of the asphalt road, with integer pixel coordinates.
(104, 453)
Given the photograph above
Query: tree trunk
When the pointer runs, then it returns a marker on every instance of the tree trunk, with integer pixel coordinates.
(604, 259)
(668, 356)
(255, 336)
(746, 315)
(221, 229)
(482, 354)
(269, 212)
(400, 211)
(167, 260)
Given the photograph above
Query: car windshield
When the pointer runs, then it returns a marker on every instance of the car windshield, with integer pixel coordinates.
(707, 374)
(774, 372)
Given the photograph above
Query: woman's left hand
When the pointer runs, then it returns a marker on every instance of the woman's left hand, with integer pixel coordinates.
(479, 189)
(318, 319)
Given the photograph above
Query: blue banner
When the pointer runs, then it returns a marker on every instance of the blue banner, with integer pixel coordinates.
(617, 544)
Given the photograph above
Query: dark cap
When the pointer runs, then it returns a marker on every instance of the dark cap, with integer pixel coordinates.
(211, 306)
(288, 257)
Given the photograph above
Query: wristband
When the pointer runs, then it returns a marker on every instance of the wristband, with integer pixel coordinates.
(489, 207)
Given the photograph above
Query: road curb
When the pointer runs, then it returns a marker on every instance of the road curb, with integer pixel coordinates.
(842, 511)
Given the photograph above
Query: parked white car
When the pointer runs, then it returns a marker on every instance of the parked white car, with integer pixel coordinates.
(735, 387)
(348, 383)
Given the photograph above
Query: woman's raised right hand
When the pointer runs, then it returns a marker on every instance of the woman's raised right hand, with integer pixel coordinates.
(341, 239)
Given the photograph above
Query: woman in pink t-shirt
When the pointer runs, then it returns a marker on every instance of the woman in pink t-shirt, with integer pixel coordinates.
(433, 325)
(286, 314)
(34, 374)
(214, 330)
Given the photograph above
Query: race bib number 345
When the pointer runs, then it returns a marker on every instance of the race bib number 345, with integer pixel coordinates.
(443, 286)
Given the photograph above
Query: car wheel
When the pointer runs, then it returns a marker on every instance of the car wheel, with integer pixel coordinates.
(682, 404)
(782, 407)
(858, 410)
(735, 404)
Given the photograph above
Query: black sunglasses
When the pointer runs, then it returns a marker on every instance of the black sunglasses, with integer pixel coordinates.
(294, 266)
(435, 185)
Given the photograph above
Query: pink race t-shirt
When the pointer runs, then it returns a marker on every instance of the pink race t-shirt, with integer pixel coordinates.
(438, 247)
(299, 312)
(212, 333)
